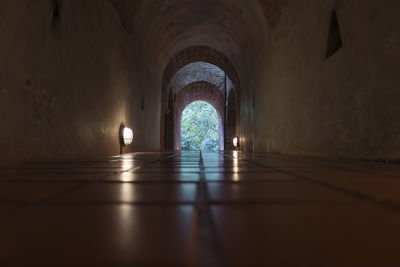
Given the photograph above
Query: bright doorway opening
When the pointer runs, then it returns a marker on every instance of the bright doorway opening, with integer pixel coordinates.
(200, 129)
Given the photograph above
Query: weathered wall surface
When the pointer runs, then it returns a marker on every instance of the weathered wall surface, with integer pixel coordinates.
(72, 71)
(347, 105)
(70, 74)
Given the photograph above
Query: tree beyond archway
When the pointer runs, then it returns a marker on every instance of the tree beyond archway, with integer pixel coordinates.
(199, 127)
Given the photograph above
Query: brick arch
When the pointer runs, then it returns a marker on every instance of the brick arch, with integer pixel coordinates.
(194, 72)
(195, 54)
(197, 91)
(184, 57)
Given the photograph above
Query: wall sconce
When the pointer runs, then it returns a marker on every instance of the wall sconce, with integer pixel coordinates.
(125, 136)
(235, 142)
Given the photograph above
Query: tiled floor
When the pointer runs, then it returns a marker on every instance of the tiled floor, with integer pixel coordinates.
(200, 209)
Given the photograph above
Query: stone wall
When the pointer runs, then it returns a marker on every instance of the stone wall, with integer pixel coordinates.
(308, 80)
(302, 102)
(70, 74)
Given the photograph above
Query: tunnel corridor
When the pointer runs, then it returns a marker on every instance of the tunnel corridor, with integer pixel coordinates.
(307, 98)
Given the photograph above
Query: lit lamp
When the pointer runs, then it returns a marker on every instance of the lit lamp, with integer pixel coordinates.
(235, 142)
(125, 136)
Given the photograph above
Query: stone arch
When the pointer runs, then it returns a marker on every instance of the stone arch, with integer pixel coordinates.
(198, 91)
(183, 58)
(195, 72)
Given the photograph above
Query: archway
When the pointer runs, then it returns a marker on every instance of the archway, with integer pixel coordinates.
(201, 128)
(198, 91)
(188, 56)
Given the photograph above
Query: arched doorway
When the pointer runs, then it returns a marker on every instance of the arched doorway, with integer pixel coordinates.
(204, 57)
(201, 128)
(198, 91)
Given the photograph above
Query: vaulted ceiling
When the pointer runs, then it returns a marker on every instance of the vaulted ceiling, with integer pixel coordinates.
(198, 71)
(237, 29)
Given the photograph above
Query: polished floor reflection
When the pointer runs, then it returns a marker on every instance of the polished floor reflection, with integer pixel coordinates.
(200, 209)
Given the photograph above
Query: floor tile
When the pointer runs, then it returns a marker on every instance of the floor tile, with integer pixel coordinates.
(308, 235)
(158, 193)
(97, 235)
(243, 177)
(27, 192)
(153, 177)
(281, 192)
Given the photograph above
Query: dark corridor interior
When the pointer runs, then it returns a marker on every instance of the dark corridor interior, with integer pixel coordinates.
(91, 98)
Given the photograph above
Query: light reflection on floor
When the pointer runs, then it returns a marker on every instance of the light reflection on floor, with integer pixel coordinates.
(143, 209)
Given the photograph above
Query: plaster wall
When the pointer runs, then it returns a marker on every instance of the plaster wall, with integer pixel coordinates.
(68, 82)
(348, 105)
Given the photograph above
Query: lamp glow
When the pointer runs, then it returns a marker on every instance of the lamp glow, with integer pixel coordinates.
(127, 136)
(235, 142)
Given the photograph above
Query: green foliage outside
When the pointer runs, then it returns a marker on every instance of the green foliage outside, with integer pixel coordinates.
(199, 127)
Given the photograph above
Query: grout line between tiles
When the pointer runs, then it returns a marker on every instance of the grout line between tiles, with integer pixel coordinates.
(210, 252)
(389, 205)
